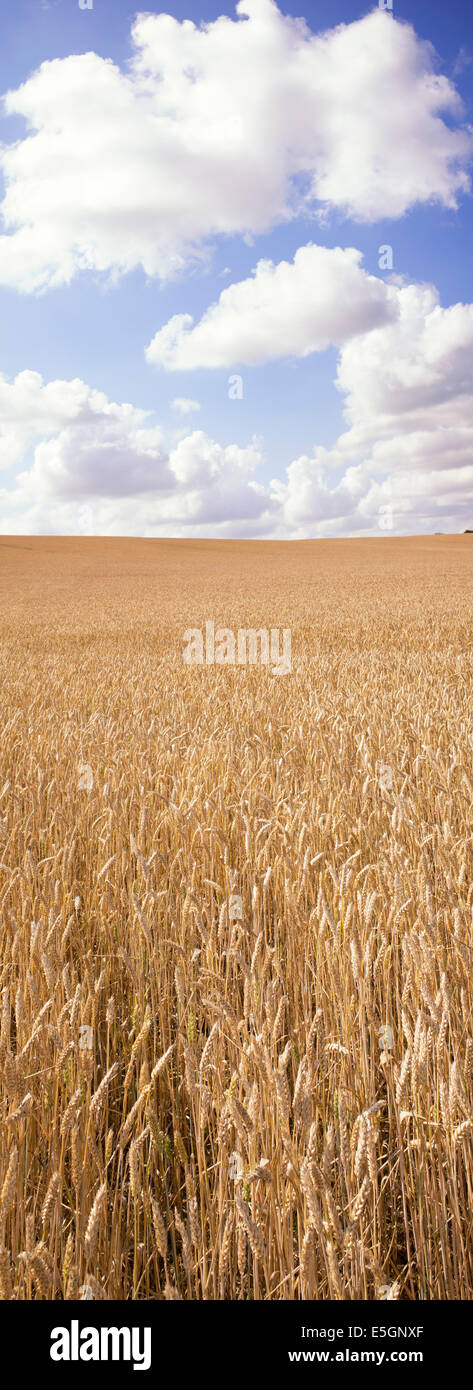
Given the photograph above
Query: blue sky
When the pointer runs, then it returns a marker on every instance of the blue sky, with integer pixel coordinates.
(97, 326)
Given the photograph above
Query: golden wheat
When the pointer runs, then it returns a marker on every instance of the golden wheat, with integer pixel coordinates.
(236, 1031)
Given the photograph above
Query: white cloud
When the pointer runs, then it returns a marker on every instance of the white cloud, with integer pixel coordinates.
(86, 456)
(404, 459)
(462, 61)
(83, 443)
(226, 129)
(185, 405)
(291, 309)
(409, 410)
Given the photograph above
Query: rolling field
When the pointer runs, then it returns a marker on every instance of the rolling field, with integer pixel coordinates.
(236, 916)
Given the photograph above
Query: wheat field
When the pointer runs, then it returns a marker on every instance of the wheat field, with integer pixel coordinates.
(236, 1056)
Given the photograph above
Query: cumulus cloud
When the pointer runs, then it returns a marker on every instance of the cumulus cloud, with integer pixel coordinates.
(185, 405)
(83, 443)
(404, 460)
(407, 454)
(224, 129)
(86, 456)
(291, 309)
